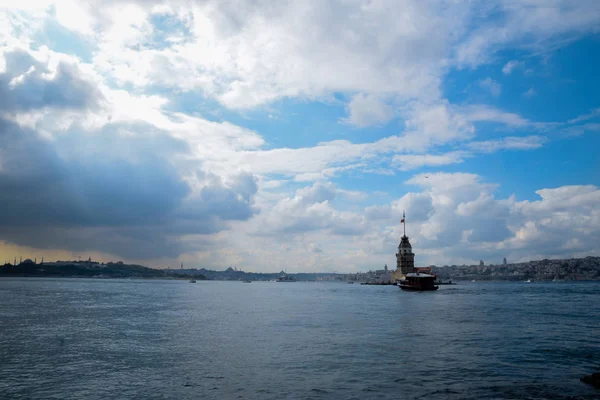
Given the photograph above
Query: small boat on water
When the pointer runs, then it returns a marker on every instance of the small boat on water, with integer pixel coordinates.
(415, 281)
(192, 280)
(528, 281)
(247, 281)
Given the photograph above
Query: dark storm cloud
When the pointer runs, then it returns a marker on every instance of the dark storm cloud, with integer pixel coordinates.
(117, 190)
(27, 86)
(109, 192)
(39, 186)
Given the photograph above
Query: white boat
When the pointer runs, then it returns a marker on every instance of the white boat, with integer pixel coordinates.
(192, 280)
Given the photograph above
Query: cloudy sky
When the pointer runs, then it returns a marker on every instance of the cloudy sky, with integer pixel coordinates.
(292, 134)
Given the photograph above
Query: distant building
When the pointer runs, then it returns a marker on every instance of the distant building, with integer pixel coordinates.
(385, 268)
(504, 261)
(481, 264)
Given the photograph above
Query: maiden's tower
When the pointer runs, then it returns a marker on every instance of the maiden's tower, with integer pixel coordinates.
(406, 275)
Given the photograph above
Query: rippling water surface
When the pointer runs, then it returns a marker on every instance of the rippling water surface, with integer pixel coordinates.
(98, 339)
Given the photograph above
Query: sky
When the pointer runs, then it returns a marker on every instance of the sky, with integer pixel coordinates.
(293, 135)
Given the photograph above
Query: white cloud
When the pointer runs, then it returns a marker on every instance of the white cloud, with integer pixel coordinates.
(366, 110)
(529, 93)
(435, 124)
(510, 66)
(309, 210)
(489, 84)
(593, 114)
(413, 161)
(247, 55)
(579, 130)
(531, 24)
(509, 143)
(477, 113)
(250, 54)
(455, 218)
(72, 15)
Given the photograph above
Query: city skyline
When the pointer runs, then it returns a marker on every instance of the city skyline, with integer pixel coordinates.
(293, 135)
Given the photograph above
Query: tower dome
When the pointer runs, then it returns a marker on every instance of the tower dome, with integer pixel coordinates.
(404, 246)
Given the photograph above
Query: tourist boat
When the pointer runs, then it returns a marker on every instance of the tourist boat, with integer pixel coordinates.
(418, 282)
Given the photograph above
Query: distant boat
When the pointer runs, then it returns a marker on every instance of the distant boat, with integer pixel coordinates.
(528, 281)
(350, 282)
(247, 281)
(192, 280)
(418, 282)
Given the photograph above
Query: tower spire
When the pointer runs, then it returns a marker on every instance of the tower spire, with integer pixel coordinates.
(403, 221)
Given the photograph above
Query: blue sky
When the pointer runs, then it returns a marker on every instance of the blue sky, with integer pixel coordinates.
(294, 135)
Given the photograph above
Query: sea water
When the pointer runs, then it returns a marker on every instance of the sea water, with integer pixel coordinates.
(153, 339)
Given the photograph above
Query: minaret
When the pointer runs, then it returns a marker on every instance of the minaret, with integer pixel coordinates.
(405, 258)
